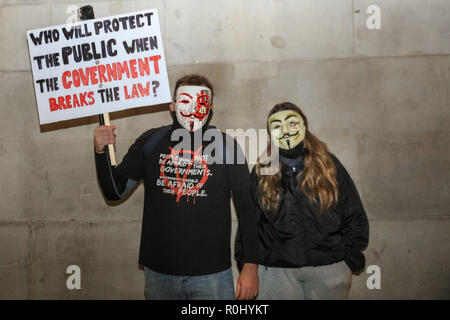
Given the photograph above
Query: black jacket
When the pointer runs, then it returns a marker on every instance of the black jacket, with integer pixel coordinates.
(299, 235)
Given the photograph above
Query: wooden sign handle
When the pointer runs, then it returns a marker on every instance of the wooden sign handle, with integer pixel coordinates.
(87, 13)
(112, 154)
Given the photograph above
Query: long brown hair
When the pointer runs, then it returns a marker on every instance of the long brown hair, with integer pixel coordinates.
(318, 178)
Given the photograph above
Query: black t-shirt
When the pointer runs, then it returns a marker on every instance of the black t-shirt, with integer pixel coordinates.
(187, 218)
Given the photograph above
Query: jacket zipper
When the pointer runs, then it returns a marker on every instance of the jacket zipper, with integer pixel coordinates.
(304, 228)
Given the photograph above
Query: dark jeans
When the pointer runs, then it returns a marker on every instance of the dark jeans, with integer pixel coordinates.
(214, 286)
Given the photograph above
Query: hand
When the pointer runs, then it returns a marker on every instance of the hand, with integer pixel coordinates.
(247, 283)
(103, 135)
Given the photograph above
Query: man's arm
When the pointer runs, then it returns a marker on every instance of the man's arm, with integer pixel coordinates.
(247, 284)
(239, 181)
(114, 184)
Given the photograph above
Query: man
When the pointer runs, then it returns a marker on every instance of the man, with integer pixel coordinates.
(185, 240)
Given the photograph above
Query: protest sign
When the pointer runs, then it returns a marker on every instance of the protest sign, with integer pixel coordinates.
(98, 66)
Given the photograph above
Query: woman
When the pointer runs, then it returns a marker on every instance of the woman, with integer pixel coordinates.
(312, 224)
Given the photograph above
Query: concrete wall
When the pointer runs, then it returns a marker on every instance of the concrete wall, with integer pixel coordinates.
(378, 98)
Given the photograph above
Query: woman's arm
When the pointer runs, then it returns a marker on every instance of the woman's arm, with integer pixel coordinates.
(354, 225)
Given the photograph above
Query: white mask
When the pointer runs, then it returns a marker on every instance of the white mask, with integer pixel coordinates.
(287, 129)
(192, 106)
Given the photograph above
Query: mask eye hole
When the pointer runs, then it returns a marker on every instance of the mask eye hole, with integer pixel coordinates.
(185, 101)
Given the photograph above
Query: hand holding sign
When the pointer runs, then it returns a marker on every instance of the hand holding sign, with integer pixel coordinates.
(103, 136)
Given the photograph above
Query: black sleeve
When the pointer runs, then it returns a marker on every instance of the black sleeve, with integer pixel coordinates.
(112, 183)
(240, 185)
(355, 225)
(132, 164)
(117, 182)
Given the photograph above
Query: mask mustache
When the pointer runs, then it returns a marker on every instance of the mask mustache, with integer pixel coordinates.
(287, 135)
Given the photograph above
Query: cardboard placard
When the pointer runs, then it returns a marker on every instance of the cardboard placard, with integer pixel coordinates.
(98, 66)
